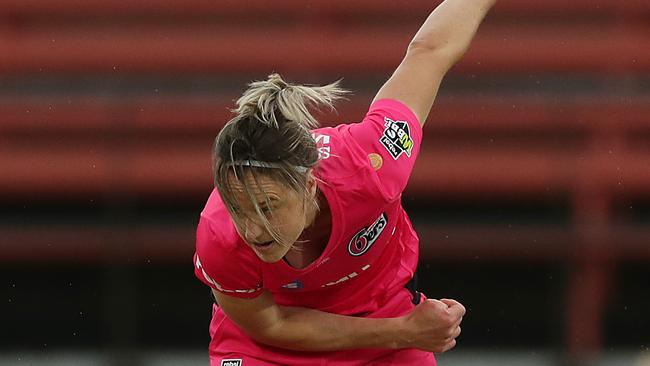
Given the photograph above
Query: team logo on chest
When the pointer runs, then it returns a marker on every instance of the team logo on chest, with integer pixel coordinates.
(366, 237)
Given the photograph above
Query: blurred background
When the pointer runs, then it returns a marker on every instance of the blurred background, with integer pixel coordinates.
(531, 194)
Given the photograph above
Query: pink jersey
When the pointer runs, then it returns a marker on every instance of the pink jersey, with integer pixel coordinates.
(371, 254)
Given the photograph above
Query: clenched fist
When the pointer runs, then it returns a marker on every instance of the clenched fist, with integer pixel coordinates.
(433, 325)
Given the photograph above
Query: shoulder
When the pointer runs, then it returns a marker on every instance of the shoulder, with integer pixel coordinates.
(378, 153)
(222, 260)
(343, 165)
(215, 230)
(216, 235)
(338, 158)
(388, 124)
(392, 132)
(394, 125)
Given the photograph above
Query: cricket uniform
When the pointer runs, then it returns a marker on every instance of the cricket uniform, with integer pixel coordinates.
(371, 255)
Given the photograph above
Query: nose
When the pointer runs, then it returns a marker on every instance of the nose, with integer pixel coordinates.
(253, 231)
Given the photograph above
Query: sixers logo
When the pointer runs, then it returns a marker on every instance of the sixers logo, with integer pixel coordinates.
(364, 239)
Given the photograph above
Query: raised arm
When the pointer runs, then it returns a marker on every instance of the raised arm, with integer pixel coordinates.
(432, 326)
(441, 41)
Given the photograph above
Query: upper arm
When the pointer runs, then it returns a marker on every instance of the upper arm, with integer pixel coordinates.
(256, 316)
(391, 134)
(416, 80)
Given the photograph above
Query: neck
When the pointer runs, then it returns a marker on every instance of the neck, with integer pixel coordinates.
(315, 236)
(315, 215)
(313, 210)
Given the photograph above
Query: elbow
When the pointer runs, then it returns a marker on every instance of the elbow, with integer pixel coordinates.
(438, 41)
(441, 53)
(264, 335)
(424, 45)
(442, 47)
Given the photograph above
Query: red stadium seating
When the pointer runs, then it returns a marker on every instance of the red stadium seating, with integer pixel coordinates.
(199, 49)
(114, 8)
(142, 43)
(149, 158)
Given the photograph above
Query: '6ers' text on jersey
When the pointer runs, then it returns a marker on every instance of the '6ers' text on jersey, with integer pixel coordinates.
(372, 251)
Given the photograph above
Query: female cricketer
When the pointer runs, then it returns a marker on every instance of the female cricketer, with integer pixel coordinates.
(304, 240)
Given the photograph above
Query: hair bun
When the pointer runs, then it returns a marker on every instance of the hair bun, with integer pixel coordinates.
(277, 81)
(273, 99)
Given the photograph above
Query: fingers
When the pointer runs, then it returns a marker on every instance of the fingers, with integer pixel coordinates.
(453, 333)
(460, 320)
(446, 315)
(451, 344)
(438, 303)
(455, 308)
(456, 332)
(449, 302)
(451, 341)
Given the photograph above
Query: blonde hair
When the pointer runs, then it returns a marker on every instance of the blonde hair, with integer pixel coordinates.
(270, 135)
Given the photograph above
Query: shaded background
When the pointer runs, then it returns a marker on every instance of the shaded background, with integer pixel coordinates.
(531, 194)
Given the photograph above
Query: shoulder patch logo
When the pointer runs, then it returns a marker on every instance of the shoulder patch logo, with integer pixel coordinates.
(375, 160)
(397, 138)
(366, 237)
(231, 362)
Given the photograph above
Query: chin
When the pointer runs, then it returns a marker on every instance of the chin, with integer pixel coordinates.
(269, 257)
(273, 254)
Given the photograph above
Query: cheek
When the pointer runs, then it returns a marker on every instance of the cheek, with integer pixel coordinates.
(290, 221)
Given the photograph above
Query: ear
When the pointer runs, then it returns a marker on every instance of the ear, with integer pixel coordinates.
(311, 183)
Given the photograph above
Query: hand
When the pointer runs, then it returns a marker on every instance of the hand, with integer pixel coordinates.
(434, 325)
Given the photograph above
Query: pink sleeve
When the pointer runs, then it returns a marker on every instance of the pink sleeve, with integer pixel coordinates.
(228, 269)
(391, 130)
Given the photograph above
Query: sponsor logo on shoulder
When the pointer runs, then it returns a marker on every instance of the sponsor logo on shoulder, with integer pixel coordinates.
(366, 237)
(397, 138)
(231, 362)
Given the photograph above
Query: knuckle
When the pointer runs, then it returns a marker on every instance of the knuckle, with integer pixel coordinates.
(449, 320)
(452, 344)
(450, 333)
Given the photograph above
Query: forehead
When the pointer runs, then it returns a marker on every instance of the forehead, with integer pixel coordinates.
(261, 186)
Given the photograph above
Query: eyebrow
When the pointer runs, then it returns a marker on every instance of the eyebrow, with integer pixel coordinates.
(271, 200)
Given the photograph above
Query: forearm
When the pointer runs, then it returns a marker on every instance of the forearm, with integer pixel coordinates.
(302, 329)
(432, 326)
(450, 28)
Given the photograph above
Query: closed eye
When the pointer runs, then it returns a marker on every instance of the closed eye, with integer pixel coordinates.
(265, 210)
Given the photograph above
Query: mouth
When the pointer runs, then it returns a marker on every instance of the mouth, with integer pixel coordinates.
(263, 246)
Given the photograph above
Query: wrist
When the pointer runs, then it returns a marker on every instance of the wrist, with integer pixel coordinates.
(401, 336)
